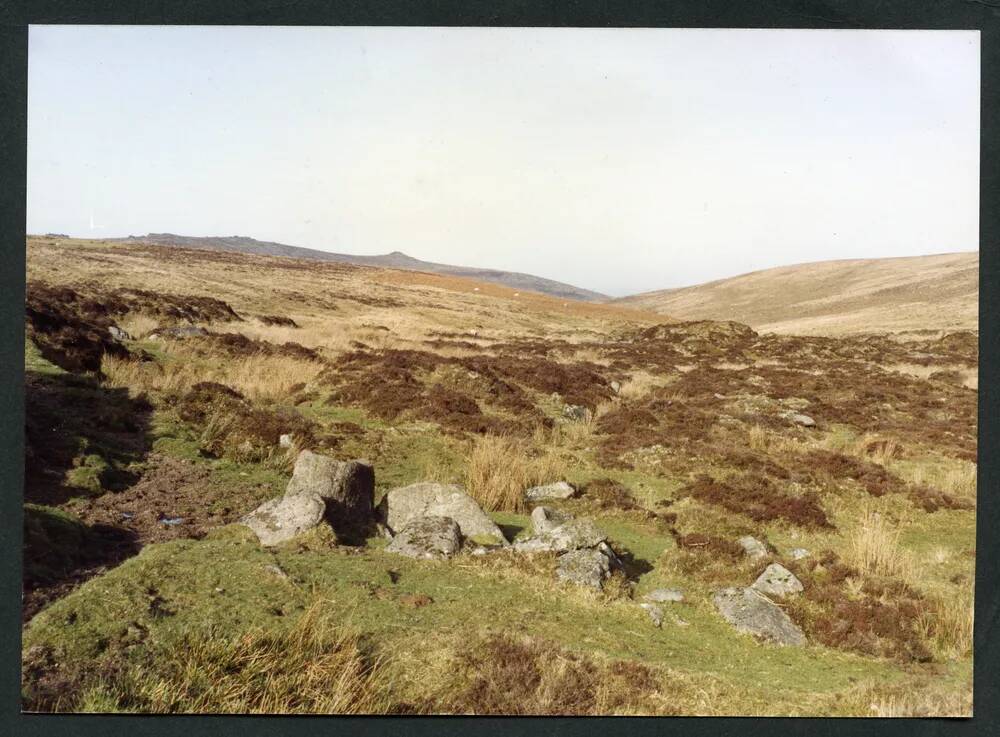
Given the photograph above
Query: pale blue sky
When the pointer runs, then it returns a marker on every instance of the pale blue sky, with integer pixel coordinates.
(618, 160)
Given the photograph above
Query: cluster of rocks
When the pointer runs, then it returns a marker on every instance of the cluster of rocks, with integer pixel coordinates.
(753, 610)
(426, 520)
(429, 520)
(585, 558)
(435, 521)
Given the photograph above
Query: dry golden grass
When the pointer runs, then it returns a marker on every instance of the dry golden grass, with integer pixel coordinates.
(956, 478)
(947, 626)
(757, 439)
(639, 384)
(923, 704)
(314, 667)
(226, 433)
(138, 325)
(874, 547)
(501, 468)
(259, 377)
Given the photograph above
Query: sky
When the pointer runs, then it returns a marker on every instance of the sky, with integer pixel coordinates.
(619, 160)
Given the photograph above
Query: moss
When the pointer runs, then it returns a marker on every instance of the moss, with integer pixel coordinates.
(88, 474)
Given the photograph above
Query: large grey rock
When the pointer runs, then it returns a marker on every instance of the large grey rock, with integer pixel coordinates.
(427, 537)
(348, 488)
(282, 519)
(751, 612)
(407, 503)
(584, 568)
(776, 580)
(545, 519)
(558, 490)
(572, 535)
(753, 547)
(663, 595)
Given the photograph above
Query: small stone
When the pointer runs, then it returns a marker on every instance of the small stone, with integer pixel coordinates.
(117, 333)
(801, 419)
(613, 559)
(664, 595)
(575, 412)
(558, 490)
(616, 387)
(799, 553)
(285, 440)
(655, 613)
(276, 570)
(776, 580)
(753, 547)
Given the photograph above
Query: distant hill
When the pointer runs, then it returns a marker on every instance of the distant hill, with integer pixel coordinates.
(394, 260)
(836, 297)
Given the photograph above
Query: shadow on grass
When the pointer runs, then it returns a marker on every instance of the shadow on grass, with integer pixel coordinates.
(81, 439)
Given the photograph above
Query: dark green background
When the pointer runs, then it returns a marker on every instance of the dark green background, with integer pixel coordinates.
(983, 15)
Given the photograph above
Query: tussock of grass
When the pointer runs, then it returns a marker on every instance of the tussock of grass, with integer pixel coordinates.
(639, 384)
(946, 627)
(259, 377)
(874, 547)
(501, 468)
(313, 667)
(137, 324)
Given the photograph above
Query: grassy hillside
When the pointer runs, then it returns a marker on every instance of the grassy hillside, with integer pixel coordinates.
(143, 594)
(836, 297)
(394, 260)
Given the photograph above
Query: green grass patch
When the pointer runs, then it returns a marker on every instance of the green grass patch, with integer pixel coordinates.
(224, 585)
(34, 363)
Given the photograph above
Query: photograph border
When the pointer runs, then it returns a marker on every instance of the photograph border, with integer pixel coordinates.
(981, 15)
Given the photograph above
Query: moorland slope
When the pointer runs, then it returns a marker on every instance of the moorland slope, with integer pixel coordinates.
(394, 260)
(836, 297)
